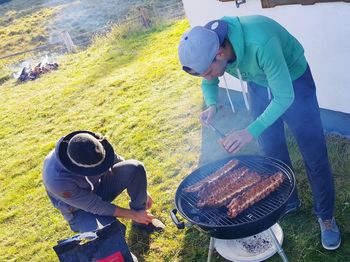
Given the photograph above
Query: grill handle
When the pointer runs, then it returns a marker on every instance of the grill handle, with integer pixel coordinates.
(179, 225)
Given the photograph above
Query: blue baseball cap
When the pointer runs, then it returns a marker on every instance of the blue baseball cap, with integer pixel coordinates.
(198, 46)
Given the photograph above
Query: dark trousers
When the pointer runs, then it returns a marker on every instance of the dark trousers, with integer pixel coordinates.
(303, 119)
(129, 175)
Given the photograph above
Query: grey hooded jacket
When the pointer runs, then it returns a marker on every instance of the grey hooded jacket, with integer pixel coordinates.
(69, 192)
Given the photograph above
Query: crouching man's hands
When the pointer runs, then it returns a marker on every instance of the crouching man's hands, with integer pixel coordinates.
(141, 216)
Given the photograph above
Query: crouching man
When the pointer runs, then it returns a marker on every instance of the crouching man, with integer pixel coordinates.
(83, 175)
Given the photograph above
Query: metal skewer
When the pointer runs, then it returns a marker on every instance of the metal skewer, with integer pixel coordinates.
(221, 135)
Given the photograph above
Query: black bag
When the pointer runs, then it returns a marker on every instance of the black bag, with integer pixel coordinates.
(103, 245)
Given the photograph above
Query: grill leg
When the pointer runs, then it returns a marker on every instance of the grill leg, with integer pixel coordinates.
(211, 249)
(278, 246)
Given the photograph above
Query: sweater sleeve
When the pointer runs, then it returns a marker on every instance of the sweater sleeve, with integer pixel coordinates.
(68, 192)
(210, 91)
(272, 62)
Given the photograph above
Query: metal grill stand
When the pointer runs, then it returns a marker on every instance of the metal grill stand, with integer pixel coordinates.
(278, 246)
(226, 248)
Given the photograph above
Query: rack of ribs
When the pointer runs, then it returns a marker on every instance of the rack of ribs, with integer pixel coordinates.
(219, 192)
(218, 173)
(254, 194)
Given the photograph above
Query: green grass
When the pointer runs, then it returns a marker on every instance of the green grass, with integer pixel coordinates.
(24, 32)
(124, 87)
(25, 25)
(128, 86)
(20, 32)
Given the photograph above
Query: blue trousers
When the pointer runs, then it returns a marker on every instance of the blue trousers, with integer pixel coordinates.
(129, 175)
(303, 119)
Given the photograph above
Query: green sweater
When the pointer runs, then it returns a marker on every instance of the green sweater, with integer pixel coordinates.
(267, 54)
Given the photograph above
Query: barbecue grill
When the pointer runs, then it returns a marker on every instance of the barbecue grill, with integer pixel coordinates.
(259, 217)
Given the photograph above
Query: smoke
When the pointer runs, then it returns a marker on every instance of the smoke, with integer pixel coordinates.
(83, 18)
(226, 121)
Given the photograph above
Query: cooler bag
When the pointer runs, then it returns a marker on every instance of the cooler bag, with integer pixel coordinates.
(102, 245)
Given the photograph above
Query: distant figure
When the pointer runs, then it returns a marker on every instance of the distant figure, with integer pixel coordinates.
(281, 90)
(83, 175)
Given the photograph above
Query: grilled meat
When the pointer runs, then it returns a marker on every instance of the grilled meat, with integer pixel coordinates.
(218, 173)
(219, 192)
(254, 194)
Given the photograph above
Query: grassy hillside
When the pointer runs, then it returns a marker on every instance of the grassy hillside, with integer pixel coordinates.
(19, 32)
(25, 25)
(129, 87)
(124, 87)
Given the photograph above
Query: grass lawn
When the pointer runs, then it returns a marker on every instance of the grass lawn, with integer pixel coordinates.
(128, 86)
(25, 25)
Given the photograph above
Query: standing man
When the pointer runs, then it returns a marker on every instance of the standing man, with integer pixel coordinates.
(83, 175)
(281, 90)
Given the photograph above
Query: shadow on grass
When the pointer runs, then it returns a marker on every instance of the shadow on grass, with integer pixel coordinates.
(139, 243)
(4, 79)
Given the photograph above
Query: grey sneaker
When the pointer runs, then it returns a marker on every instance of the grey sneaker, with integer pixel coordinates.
(330, 234)
(155, 226)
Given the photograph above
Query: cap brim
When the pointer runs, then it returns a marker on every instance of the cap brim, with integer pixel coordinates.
(84, 171)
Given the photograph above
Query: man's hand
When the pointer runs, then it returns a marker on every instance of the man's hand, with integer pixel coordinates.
(234, 141)
(207, 115)
(142, 217)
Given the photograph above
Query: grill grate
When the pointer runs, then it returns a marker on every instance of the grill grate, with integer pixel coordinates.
(217, 216)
